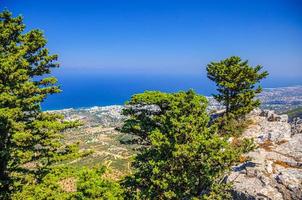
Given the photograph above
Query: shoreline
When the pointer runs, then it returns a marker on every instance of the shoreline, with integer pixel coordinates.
(267, 96)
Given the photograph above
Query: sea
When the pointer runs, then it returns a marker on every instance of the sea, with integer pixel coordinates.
(84, 90)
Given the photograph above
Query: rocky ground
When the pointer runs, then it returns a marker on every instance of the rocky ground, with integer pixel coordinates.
(274, 169)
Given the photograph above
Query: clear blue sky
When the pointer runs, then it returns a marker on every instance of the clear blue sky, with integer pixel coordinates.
(161, 36)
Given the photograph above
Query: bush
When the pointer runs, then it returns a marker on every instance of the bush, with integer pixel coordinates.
(71, 183)
(184, 157)
(230, 126)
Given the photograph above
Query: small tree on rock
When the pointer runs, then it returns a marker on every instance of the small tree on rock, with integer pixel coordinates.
(236, 82)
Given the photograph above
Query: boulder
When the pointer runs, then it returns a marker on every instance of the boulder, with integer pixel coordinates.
(273, 117)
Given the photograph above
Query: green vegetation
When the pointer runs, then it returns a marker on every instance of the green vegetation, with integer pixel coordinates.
(71, 183)
(31, 144)
(110, 148)
(184, 157)
(180, 154)
(230, 126)
(236, 81)
(30, 140)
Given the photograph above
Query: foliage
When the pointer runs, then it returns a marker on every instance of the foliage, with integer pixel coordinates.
(71, 183)
(236, 81)
(30, 140)
(143, 111)
(184, 157)
(230, 126)
(219, 191)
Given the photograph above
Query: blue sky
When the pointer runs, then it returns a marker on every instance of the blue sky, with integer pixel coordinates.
(167, 37)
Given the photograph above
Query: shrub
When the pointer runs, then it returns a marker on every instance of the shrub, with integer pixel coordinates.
(71, 183)
(185, 157)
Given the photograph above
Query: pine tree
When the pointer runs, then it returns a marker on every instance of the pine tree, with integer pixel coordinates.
(184, 158)
(30, 140)
(236, 82)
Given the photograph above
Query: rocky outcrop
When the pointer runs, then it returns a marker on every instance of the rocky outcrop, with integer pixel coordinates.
(296, 125)
(274, 170)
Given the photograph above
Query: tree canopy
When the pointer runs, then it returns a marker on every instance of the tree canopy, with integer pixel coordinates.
(30, 140)
(236, 81)
(185, 157)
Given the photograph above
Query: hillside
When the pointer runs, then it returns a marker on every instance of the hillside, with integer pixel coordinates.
(99, 130)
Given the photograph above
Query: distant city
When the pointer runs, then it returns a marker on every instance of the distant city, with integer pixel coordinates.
(281, 100)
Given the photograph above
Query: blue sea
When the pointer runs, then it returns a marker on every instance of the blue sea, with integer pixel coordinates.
(87, 90)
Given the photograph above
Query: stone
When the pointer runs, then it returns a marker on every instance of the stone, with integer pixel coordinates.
(296, 126)
(282, 118)
(267, 113)
(274, 170)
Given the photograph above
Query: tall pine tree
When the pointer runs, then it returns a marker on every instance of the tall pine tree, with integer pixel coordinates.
(236, 81)
(30, 140)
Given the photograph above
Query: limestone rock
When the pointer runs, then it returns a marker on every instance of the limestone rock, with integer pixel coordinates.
(275, 168)
(296, 125)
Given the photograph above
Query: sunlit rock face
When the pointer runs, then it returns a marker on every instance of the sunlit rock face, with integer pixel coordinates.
(274, 169)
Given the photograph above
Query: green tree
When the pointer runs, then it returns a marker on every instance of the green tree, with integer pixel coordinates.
(236, 82)
(30, 140)
(184, 158)
(67, 182)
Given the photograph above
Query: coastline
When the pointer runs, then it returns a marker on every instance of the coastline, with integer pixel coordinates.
(272, 98)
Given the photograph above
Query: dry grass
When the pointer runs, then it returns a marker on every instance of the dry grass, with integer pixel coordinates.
(235, 141)
(281, 142)
(113, 174)
(281, 163)
(267, 145)
(243, 159)
(68, 184)
(251, 122)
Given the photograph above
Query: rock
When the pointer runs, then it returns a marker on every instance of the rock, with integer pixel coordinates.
(267, 113)
(296, 126)
(269, 166)
(275, 168)
(255, 112)
(273, 117)
(282, 118)
(291, 180)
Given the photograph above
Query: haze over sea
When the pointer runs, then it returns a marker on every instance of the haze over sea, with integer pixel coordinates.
(97, 89)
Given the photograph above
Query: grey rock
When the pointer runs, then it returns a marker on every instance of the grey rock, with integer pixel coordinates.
(275, 172)
(267, 113)
(296, 126)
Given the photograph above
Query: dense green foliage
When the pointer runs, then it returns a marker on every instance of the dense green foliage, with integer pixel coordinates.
(184, 158)
(30, 140)
(230, 126)
(71, 183)
(236, 81)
